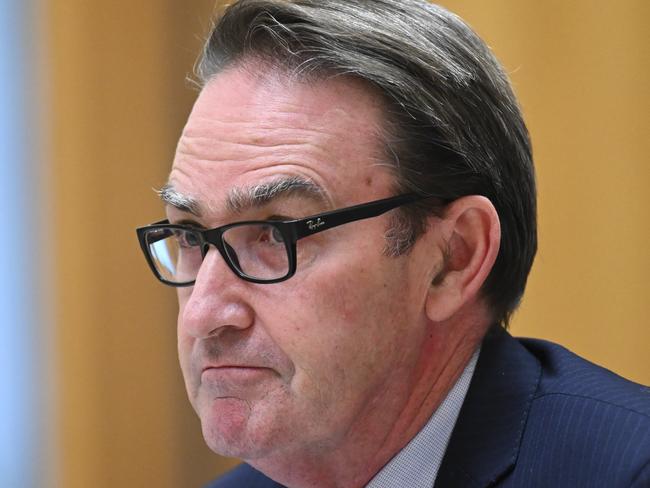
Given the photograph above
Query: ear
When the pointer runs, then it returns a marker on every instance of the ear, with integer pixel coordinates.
(471, 234)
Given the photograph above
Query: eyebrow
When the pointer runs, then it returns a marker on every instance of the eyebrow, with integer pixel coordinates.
(242, 199)
(185, 203)
(239, 200)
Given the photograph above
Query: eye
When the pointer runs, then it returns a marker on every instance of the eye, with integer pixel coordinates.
(187, 238)
(270, 234)
(192, 239)
(277, 235)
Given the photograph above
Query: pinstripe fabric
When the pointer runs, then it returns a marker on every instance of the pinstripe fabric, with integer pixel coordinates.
(243, 476)
(536, 416)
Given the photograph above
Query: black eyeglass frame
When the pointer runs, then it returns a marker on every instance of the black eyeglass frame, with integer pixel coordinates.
(291, 230)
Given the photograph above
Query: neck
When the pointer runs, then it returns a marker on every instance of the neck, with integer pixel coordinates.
(387, 423)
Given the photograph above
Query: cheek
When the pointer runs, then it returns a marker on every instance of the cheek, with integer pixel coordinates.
(343, 333)
(183, 339)
(185, 345)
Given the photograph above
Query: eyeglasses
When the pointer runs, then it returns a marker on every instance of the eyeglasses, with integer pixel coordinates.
(256, 251)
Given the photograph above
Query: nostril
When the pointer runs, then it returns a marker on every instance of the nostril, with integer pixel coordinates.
(200, 317)
(205, 315)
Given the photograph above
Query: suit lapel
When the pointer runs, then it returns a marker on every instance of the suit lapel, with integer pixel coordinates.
(485, 442)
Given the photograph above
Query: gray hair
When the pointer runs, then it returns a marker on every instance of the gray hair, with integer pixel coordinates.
(453, 124)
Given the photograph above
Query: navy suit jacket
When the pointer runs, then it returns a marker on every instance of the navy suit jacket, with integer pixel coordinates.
(536, 415)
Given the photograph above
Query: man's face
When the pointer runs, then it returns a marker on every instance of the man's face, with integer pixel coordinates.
(305, 364)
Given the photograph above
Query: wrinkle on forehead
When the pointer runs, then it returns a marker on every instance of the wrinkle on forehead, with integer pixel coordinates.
(262, 105)
(212, 140)
(252, 128)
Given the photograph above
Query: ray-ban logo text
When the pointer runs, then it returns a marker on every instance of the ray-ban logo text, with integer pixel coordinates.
(315, 224)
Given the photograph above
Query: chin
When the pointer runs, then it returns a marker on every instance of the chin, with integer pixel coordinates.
(230, 430)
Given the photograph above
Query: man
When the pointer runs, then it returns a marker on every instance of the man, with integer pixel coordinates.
(351, 222)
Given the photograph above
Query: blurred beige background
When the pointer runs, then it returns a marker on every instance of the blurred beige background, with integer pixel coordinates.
(116, 103)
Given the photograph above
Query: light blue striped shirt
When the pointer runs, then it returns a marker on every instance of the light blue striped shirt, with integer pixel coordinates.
(416, 466)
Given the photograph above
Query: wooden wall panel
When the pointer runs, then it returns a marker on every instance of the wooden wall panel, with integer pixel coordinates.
(581, 70)
(118, 102)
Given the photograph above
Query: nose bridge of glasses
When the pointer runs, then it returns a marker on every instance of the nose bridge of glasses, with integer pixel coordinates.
(214, 262)
(214, 237)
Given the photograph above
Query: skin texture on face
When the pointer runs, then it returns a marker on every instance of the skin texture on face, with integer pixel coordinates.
(330, 372)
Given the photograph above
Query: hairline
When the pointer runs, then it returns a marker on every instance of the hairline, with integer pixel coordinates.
(456, 71)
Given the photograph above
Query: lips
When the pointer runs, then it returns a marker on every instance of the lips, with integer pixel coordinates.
(234, 375)
(228, 366)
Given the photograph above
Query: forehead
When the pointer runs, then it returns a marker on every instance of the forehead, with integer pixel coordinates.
(247, 128)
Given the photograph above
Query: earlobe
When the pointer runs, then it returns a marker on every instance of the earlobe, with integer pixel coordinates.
(472, 235)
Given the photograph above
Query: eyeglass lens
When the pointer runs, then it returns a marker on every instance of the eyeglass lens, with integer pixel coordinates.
(256, 250)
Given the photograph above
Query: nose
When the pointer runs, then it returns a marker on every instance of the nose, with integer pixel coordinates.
(216, 301)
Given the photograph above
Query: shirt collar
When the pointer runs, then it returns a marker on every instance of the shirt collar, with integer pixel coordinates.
(417, 464)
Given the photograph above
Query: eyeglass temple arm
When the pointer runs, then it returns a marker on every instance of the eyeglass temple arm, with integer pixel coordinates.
(327, 220)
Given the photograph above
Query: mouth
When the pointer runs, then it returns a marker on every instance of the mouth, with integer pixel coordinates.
(230, 366)
(233, 374)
